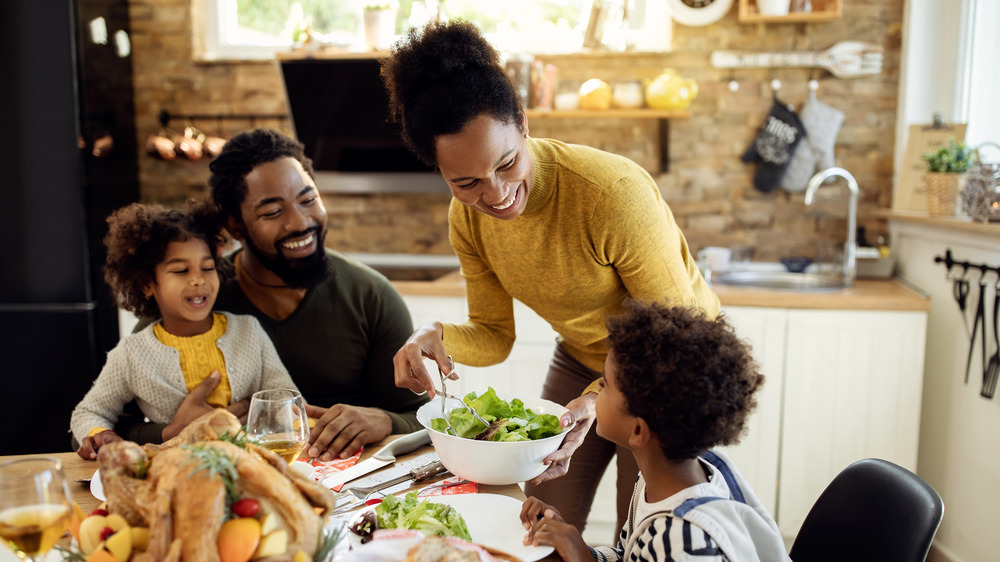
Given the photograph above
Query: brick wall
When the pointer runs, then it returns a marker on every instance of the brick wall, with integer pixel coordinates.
(707, 186)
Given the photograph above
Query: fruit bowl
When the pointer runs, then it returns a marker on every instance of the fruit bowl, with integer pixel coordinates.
(491, 462)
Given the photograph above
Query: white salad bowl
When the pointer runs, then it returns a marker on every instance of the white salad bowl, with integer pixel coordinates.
(495, 463)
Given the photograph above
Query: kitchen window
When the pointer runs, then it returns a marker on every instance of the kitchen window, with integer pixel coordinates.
(258, 29)
(979, 81)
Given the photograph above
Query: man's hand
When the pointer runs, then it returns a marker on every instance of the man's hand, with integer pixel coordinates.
(88, 449)
(545, 526)
(582, 413)
(341, 430)
(194, 406)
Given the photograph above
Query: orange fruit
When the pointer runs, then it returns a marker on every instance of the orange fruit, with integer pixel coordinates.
(238, 539)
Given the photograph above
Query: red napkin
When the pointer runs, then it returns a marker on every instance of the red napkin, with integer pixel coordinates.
(324, 469)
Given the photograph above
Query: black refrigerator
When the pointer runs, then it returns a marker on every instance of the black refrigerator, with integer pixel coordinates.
(67, 159)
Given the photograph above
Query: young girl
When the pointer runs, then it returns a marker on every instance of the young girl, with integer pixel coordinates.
(162, 264)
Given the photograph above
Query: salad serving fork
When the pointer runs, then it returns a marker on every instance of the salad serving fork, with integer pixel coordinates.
(444, 394)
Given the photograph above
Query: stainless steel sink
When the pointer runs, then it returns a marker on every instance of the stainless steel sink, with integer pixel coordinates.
(782, 281)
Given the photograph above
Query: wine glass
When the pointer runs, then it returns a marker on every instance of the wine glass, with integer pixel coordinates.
(34, 505)
(277, 421)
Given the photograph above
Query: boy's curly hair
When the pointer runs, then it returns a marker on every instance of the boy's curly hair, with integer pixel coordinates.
(240, 155)
(439, 78)
(689, 377)
(137, 240)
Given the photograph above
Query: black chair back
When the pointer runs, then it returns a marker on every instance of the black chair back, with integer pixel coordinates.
(873, 510)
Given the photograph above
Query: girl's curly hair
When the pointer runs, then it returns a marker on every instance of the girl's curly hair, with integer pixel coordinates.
(137, 240)
(240, 155)
(442, 76)
(689, 377)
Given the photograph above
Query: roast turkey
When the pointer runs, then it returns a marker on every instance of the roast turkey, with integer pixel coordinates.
(179, 490)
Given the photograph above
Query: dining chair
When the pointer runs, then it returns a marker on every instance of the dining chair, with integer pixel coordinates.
(873, 510)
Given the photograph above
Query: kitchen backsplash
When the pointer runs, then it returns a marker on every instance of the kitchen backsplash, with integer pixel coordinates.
(707, 186)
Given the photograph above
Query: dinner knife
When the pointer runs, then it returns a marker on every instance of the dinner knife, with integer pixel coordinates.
(418, 474)
(385, 455)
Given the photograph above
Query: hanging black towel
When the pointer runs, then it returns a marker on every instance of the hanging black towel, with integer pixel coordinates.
(774, 145)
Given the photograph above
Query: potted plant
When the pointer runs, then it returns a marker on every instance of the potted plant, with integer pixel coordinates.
(380, 24)
(945, 167)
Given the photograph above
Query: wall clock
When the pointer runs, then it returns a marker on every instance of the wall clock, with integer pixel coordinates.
(698, 12)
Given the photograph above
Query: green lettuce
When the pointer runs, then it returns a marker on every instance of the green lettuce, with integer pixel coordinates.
(521, 424)
(420, 515)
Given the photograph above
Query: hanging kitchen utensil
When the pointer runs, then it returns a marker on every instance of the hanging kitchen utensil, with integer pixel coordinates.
(960, 290)
(975, 326)
(846, 59)
(992, 368)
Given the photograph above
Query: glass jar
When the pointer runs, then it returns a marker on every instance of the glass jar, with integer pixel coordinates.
(627, 94)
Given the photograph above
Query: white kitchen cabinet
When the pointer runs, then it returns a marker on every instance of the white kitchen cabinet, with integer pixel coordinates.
(757, 454)
(853, 383)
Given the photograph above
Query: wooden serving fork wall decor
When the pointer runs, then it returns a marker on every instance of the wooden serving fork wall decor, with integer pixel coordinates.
(846, 59)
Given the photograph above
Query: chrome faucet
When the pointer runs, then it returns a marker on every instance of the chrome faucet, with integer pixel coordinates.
(850, 247)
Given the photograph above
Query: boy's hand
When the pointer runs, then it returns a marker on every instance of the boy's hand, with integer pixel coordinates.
(88, 449)
(532, 510)
(546, 527)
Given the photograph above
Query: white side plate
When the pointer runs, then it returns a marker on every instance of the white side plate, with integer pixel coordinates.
(96, 488)
(493, 521)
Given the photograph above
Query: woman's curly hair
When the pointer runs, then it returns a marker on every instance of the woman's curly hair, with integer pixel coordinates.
(137, 240)
(240, 155)
(689, 377)
(442, 76)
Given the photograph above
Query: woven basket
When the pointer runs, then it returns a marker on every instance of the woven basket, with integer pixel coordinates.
(942, 193)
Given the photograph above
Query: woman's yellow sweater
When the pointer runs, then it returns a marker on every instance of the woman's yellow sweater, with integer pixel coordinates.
(595, 231)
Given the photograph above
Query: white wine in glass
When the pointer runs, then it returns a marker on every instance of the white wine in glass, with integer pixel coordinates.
(34, 505)
(277, 421)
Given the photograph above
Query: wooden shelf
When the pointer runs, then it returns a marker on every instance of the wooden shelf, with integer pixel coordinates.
(661, 115)
(639, 113)
(957, 223)
(822, 10)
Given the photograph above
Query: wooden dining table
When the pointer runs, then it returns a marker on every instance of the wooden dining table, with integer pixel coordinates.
(78, 473)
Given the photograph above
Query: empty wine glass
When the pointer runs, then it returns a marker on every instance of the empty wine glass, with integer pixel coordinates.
(34, 505)
(277, 421)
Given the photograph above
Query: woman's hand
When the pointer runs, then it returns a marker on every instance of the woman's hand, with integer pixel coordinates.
(341, 430)
(580, 416)
(545, 526)
(408, 363)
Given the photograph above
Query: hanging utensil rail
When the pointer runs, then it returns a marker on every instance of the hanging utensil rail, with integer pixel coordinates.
(950, 262)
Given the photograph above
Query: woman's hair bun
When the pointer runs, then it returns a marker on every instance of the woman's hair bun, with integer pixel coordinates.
(438, 52)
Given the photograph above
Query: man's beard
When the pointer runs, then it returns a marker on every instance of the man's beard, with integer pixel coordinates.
(299, 273)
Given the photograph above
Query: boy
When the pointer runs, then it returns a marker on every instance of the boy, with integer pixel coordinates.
(675, 384)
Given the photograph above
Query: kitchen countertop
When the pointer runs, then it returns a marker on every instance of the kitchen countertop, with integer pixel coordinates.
(867, 294)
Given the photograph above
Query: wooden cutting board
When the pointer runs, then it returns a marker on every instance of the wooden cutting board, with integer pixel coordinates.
(910, 193)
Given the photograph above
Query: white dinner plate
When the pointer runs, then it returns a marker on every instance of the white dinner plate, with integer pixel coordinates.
(96, 488)
(493, 520)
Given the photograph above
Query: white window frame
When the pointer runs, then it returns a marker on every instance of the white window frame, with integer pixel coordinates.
(941, 69)
(216, 24)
